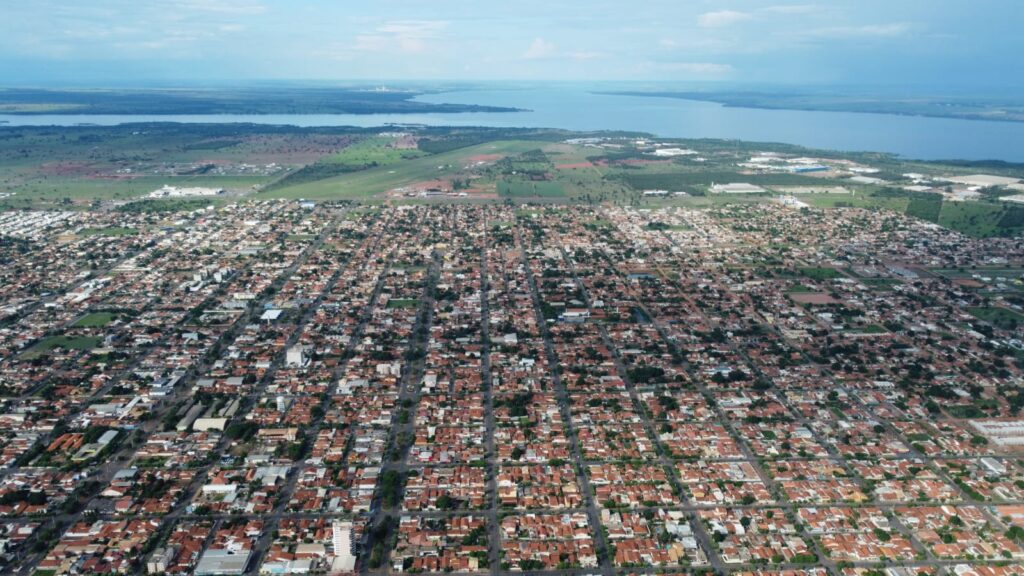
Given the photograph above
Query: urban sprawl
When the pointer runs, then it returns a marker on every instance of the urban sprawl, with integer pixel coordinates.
(285, 387)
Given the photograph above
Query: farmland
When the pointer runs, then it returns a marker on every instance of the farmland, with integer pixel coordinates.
(89, 167)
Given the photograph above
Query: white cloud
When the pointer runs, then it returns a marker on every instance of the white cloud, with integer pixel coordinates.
(540, 49)
(414, 28)
(792, 9)
(233, 7)
(402, 36)
(703, 68)
(722, 18)
(892, 30)
(239, 7)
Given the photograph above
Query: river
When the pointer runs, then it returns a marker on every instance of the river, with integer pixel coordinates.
(579, 109)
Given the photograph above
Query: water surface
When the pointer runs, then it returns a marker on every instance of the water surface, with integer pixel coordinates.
(579, 109)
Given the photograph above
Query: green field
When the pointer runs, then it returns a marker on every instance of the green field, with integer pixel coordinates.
(94, 320)
(1001, 317)
(366, 184)
(869, 329)
(881, 284)
(403, 303)
(981, 219)
(368, 153)
(820, 273)
(372, 152)
(926, 207)
(111, 231)
(855, 200)
(527, 189)
(67, 342)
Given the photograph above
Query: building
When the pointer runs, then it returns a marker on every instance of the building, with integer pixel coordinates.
(221, 562)
(1002, 432)
(736, 188)
(161, 560)
(295, 357)
(341, 542)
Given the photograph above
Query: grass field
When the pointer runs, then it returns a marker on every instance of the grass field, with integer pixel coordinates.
(66, 342)
(978, 219)
(869, 329)
(1001, 317)
(925, 207)
(855, 200)
(111, 231)
(527, 189)
(881, 284)
(820, 273)
(372, 152)
(94, 320)
(403, 303)
(366, 184)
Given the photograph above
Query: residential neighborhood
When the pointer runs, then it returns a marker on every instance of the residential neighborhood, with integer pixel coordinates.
(284, 388)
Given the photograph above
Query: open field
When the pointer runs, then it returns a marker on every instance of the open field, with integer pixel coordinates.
(110, 231)
(820, 273)
(78, 168)
(66, 342)
(403, 303)
(380, 180)
(527, 189)
(1001, 317)
(94, 320)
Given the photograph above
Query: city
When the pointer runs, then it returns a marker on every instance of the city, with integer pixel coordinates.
(283, 387)
(532, 288)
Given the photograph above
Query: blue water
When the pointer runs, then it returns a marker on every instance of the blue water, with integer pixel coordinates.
(578, 109)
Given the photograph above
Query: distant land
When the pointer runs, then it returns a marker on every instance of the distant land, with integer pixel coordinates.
(172, 167)
(964, 108)
(27, 101)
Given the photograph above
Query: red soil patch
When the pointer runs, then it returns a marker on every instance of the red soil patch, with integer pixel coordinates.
(968, 283)
(818, 298)
(407, 142)
(67, 169)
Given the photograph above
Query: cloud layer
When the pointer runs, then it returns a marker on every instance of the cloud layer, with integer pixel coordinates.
(875, 41)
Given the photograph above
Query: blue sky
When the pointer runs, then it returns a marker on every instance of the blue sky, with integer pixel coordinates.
(953, 44)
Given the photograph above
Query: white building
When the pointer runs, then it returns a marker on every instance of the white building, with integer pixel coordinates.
(341, 542)
(736, 188)
(295, 357)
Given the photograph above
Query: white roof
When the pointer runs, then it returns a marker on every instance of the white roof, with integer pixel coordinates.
(271, 315)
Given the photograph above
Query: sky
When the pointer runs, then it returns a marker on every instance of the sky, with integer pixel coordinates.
(950, 44)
